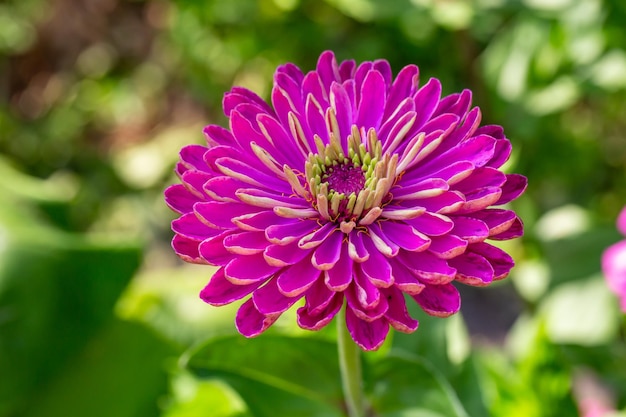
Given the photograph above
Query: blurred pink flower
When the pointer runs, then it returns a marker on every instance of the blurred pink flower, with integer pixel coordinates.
(351, 187)
(614, 263)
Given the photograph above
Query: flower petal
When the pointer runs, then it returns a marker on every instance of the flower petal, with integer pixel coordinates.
(246, 243)
(472, 230)
(369, 336)
(284, 255)
(327, 254)
(376, 268)
(405, 236)
(220, 291)
(514, 186)
(250, 322)
(179, 199)
(499, 259)
(339, 277)
(316, 320)
(427, 267)
(447, 246)
(404, 279)
(472, 269)
(213, 251)
(189, 226)
(439, 300)
(220, 214)
(432, 224)
(397, 314)
(269, 300)
(248, 269)
(372, 103)
(187, 249)
(298, 278)
(289, 231)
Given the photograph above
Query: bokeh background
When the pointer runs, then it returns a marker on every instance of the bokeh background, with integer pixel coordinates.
(98, 96)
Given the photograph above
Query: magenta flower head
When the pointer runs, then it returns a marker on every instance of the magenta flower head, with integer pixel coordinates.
(614, 263)
(351, 187)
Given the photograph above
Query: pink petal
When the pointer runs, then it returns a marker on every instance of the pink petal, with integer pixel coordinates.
(192, 157)
(239, 95)
(356, 247)
(190, 227)
(318, 297)
(369, 336)
(223, 188)
(397, 314)
(248, 269)
(371, 105)
(284, 255)
(319, 319)
(480, 178)
(472, 230)
(367, 314)
(179, 199)
(403, 86)
(497, 220)
(426, 101)
(499, 259)
(514, 186)
(194, 181)
(218, 136)
(428, 268)
(340, 102)
(327, 69)
(316, 237)
(251, 175)
(367, 295)
(289, 230)
(405, 236)
(220, 291)
(259, 221)
(432, 224)
(213, 250)
(250, 322)
(428, 187)
(298, 278)
(480, 199)
(382, 242)
(447, 246)
(404, 279)
(516, 230)
(340, 276)
(376, 268)
(187, 249)
(472, 269)
(220, 214)
(327, 254)
(439, 300)
(246, 243)
(269, 300)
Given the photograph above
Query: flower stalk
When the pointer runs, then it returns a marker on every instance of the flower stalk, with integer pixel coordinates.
(350, 368)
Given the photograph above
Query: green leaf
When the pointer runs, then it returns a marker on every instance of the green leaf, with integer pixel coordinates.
(405, 385)
(120, 373)
(274, 375)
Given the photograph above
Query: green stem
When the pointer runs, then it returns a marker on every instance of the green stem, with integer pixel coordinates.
(350, 367)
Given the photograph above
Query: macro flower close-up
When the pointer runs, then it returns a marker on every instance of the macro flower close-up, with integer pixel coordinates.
(614, 263)
(352, 187)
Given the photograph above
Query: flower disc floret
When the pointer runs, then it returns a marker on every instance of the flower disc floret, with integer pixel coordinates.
(351, 190)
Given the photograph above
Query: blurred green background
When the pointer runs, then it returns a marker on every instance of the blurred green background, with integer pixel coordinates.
(98, 96)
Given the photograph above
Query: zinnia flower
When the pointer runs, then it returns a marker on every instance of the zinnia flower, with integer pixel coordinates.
(614, 263)
(351, 187)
